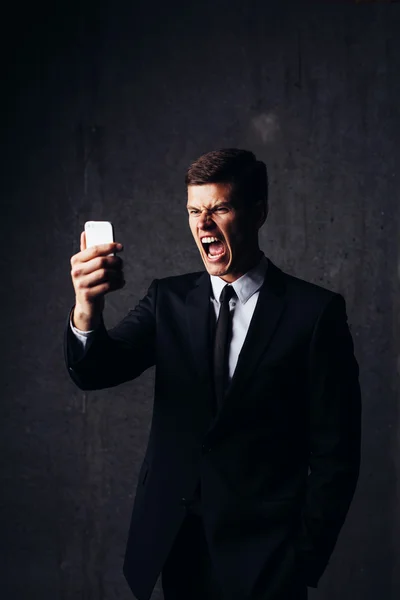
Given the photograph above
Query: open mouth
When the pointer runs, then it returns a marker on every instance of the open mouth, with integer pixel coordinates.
(213, 247)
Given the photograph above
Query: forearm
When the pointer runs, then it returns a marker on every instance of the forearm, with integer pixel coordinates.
(335, 434)
(330, 489)
(115, 356)
(102, 363)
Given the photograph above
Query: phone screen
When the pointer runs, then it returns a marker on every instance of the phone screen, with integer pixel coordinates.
(98, 232)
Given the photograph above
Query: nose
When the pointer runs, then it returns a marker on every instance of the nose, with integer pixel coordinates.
(205, 221)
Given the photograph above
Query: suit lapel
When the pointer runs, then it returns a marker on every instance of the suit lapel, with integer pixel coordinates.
(267, 313)
(265, 320)
(198, 313)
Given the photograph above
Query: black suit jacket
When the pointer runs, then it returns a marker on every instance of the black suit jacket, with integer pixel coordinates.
(278, 464)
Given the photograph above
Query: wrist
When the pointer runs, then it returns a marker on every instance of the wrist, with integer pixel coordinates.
(84, 319)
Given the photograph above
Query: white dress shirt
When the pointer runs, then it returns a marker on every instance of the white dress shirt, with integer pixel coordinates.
(242, 305)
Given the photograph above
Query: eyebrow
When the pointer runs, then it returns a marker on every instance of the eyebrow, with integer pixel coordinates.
(217, 205)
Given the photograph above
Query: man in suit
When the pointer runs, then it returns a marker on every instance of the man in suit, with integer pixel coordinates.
(254, 449)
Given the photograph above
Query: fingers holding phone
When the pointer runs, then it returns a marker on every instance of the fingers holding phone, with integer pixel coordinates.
(95, 271)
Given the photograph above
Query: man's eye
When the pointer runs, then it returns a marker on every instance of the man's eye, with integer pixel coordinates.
(221, 209)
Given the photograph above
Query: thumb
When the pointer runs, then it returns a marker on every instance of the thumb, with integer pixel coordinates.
(83, 241)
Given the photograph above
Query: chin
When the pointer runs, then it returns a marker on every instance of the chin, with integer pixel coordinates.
(217, 269)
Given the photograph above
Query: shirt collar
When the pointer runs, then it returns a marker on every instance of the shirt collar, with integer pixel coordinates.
(247, 285)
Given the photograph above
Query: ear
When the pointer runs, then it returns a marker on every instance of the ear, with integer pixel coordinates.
(262, 213)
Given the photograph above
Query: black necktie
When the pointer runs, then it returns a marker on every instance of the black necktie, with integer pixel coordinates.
(221, 344)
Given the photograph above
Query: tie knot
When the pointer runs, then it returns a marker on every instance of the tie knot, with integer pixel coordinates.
(226, 294)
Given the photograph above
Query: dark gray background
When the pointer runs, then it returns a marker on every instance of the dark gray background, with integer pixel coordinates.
(103, 108)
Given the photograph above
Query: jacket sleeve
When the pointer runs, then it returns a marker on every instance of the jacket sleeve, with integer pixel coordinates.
(335, 437)
(117, 355)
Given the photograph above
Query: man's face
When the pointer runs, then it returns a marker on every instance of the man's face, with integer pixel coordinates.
(226, 235)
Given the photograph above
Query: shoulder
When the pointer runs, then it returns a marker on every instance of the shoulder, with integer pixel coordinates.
(307, 289)
(307, 297)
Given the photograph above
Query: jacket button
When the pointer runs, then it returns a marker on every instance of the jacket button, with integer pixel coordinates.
(183, 501)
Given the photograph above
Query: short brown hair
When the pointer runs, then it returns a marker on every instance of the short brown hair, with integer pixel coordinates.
(239, 168)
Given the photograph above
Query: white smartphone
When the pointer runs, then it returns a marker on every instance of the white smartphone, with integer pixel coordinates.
(98, 232)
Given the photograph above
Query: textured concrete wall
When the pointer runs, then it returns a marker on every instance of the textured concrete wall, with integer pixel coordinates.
(103, 110)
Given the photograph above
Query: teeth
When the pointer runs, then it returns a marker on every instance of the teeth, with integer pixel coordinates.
(209, 240)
